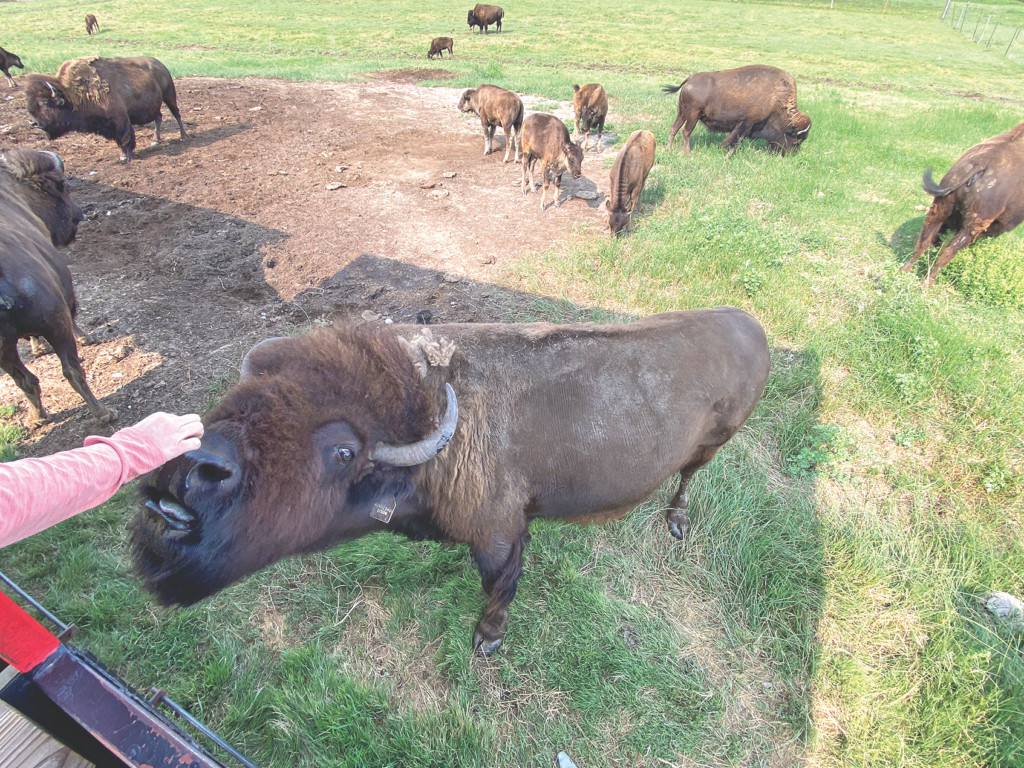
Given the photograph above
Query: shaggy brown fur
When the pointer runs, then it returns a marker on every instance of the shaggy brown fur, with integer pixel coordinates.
(91, 24)
(483, 16)
(575, 422)
(496, 107)
(590, 104)
(103, 96)
(8, 60)
(758, 102)
(545, 138)
(37, 297)
(439, 45)
(628, 176)
(980, 196)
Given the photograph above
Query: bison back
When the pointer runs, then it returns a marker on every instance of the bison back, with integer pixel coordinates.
(544, 135)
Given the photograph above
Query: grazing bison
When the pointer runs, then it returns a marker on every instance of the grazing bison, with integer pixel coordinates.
(629, 174)
(332, 435)
(980, 196)
(483, 16)
(439, 45)
(91, 24)
(590, 103)
(545, 138)
(36, 294)
(756, 101)
(495, 106)
(103, 96)
(8, 60)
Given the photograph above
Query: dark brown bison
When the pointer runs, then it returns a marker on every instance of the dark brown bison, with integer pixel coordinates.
(103, 96)
(8, 60)
(483, 16)
(334, 434)
(37, 298)
(91, 24)
(495, 106)
(758, 102)
(980, 196)
(439, 45)
(545, 138)
(628, 176)
(590, 103)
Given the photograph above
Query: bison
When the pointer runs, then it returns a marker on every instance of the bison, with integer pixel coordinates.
(8, 60)
(545, 138)
(590, 104)
(91, 24)
(439, 45)
(37, 297)
(495, 106)
(483, 16)
(980, 196)
(628, 176)
(103, 96)
(758, 102)
(334, 434)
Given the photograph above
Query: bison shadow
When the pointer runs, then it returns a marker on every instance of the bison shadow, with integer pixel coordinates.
(903, 240)
(173, 145)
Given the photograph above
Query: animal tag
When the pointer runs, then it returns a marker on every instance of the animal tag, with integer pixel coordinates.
(383, 512)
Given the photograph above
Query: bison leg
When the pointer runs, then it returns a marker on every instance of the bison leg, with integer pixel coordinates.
(39, 346)
(933, 223)
(510, 140)
(678, 515)
(600, 133)
(63, 343)
(500, 567)
(85, 339)
(733, 139)
(156, 127)
(10, 80)
(543, 183)
(488, 138)
(10, 362)
(972, 231)
(171, 100)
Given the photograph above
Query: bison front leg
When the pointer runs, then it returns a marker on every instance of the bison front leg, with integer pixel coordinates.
(488, 138)
(733, 139)
(11, 363)
(500, 567)
(10, 80)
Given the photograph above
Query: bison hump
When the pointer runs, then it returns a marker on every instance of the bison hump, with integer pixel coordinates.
(83, 83)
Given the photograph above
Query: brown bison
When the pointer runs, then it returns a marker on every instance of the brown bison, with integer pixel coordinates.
(483, 16)
(8, 60)
(439, 45)
(103, 96)
(91, 24)
(36, 294)
(980, 196)
(629, 174)
(590, 103)
(495, 106)
(758, 102)
(334, 434)
(545, 138)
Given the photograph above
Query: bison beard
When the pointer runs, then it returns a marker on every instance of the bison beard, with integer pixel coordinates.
(311, 447)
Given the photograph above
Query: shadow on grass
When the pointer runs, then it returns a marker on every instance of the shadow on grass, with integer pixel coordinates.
(903, 240)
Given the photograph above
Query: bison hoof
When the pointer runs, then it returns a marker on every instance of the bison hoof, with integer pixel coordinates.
(107, 416)
(34, 422)
(155, 144)
(678, 523)
(87, 340)
(487, 638)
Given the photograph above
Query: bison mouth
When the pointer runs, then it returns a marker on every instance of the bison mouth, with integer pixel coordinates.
(172, 518)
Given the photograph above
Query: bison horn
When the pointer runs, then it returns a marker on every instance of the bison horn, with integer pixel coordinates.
(53, 91)
(804, 131)
(248, 369)
(428, 447)
(57, 162)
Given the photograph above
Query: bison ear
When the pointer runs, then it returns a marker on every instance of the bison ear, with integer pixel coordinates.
(257, 360)
(416, 354)
(575, 89)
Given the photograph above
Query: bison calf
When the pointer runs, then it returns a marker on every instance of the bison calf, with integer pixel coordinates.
(439, 45)
(483, 16)
(8, 60)
(590, 103)
(495, 106)
(758, 102)
(91, 24)
(103, 96)
(339, 433)
(629, 174)
(545, 138)
(37, 297)
(980, 196)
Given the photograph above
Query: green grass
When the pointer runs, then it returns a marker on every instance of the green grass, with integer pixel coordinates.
(827, 604)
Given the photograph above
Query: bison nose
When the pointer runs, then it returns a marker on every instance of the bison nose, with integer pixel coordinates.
(77, 215)
(211, 475)
(33, 122)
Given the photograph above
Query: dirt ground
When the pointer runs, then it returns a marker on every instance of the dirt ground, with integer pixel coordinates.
(290, 204)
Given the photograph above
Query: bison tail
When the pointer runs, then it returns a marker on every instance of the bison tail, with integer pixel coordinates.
(936, 191)
(673, 89)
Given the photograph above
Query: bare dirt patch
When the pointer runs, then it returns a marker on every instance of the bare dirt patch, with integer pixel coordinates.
(291, 203)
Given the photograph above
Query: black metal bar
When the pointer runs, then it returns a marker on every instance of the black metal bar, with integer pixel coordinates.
(160, 697)
(29, 599)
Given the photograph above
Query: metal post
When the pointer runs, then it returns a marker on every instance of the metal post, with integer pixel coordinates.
(975, 32)
(1007, 54)
(960, 23)
(946, 9)
(967, 10)
(993, 35)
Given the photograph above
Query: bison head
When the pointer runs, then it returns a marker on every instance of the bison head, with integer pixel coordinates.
(49, 106)
(41, 185)
(618, 221)
(466, 102)
(796, 131)
(321, 432)
(14, 61)
(471, 19)
(588, 119)
(573, 154)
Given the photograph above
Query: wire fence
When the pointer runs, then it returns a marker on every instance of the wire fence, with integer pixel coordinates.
(998, 29)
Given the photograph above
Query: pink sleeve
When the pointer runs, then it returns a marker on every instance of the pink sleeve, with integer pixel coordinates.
(38, 493)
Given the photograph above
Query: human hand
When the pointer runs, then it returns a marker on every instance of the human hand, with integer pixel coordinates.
(174, 434)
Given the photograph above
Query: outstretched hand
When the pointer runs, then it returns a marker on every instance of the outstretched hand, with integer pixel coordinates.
(174, 434)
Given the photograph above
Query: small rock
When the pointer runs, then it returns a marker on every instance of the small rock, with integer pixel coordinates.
(388, 321)
(439, 193)
(449, 174)
(340, 168)
(255, 109)
(197, 109)
(428, 185)
(370, 316)
(1006, 607)
(336, 185)
(451, 277)
(819, 194)
(486, 260)
(586, 194)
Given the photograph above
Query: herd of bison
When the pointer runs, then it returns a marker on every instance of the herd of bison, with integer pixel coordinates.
(459, 432)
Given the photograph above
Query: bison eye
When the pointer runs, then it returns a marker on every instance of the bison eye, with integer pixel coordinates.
(343, 454)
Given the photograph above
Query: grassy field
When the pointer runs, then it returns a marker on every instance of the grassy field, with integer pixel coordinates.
(827, 606)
